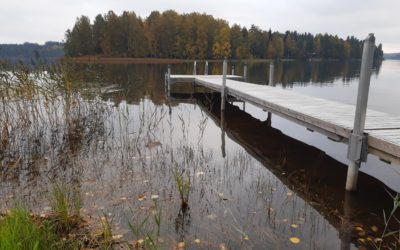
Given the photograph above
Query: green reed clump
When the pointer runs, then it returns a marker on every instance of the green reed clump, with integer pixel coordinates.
(389, 219)
(183, 184)
(66, 206)
(18, 230)
(147, 239)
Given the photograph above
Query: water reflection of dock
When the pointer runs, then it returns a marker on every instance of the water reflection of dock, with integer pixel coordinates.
(365, 131)
(311, 173)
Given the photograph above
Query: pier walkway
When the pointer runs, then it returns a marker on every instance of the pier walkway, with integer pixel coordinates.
(330, 118)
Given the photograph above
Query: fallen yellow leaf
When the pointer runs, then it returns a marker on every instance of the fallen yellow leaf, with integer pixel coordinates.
(374, 228)
(197, 241)
(294, 240)
(181, 244)
(222, 246)
(294, 226)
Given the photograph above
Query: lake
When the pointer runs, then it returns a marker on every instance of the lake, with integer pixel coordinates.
(133, 155)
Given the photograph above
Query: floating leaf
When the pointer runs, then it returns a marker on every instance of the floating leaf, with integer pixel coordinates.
(294, 226)
(199, 174)
(211, 216)
(181, 244)
(154, 197)
(361, 240)
(140, 241)
(197, 241)
(141, 197)
(374, 229)
(289, 193)
(246, 238)
(222, 246)
(358, 229)
(361, 233)
(117, 237)
(294, 240)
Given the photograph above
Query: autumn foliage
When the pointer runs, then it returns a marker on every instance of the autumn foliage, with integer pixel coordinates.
(198, 36)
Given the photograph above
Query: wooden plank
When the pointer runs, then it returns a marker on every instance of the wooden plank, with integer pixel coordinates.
(331, 118)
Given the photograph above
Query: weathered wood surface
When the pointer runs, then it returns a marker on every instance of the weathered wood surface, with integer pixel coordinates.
(334, 118)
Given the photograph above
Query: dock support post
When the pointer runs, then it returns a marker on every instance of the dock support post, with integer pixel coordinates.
(357, 149)
(168, 81)
(223, 88)
(271, 74)
(233, 70)
(194, 67)
(270, 83)
(223, 133)
(223, 99)
(245, 72)
(206, 68)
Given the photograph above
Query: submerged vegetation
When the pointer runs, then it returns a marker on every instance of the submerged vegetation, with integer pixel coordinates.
(101, 167)
(199, 36)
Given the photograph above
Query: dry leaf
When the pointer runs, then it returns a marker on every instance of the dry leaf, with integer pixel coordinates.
(222, 246)
(141, 197)
(294, 240)
(358, 229)
(181, 244)
(117, 237)
(294, 226)
(197, 241)
(374, 229)
(199, 174)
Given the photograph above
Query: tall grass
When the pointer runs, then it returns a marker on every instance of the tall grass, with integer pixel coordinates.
(66, 206)
(183, 184)
(19, 231)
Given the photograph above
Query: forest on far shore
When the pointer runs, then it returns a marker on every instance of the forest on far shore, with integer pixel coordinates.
(199, 36)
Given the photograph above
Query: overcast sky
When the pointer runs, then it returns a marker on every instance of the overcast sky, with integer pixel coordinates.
(44, 20)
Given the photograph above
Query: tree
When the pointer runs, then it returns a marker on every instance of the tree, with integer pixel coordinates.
(79, 41)
(222, 46)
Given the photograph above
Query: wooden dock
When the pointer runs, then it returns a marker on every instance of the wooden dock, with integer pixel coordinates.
(330, 118)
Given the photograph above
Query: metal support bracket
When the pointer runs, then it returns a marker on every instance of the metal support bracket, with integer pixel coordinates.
(358, 147)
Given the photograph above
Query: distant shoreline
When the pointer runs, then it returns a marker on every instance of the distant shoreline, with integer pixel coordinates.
(121, 60)
(131, 60)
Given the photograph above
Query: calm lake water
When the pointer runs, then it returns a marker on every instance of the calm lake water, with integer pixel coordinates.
(252, 186)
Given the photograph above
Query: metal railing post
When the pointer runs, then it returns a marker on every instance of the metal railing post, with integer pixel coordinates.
(206, 68)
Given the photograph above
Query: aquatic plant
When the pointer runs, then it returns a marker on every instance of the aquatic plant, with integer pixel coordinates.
(387, 220)
(66, 204)
(149, 239)
(183, 184)
(18, 230)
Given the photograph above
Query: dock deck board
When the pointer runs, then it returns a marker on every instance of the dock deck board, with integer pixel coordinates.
(328, 116)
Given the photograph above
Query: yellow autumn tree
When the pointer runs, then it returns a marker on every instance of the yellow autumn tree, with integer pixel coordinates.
(222, 46)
